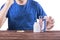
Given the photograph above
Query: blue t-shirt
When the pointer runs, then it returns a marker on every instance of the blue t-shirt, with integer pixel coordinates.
(22, 17)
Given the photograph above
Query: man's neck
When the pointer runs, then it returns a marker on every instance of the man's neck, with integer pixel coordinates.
(21, 2)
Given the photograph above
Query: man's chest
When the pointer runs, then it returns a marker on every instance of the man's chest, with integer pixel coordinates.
(21, 14)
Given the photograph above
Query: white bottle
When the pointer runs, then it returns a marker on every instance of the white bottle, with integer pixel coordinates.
(36, 27)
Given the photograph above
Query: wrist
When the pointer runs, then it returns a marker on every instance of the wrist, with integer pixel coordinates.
(9, 3)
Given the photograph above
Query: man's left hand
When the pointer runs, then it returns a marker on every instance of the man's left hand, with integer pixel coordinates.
(50, 23)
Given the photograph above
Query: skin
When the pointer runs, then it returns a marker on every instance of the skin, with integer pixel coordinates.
(49, 23)
(21, 2)
(3, 13)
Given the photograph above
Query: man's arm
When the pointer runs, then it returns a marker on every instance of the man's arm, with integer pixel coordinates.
(40, 12)
(4, 10)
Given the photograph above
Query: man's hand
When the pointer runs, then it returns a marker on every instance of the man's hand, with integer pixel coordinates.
(10, 2)
(50, 23)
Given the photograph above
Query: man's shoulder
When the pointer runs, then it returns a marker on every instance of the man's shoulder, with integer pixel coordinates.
(35, 3)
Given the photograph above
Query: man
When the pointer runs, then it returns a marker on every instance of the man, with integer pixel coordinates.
(22, 14)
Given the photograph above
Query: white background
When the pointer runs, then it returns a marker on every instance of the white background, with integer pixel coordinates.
(51, 7)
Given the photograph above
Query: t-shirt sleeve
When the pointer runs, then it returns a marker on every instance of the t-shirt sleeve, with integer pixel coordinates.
(1, 9)
(40, 11)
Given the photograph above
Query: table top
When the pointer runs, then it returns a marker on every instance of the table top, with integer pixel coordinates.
(29, 35)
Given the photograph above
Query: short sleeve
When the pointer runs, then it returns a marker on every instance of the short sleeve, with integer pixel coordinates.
(40, 11)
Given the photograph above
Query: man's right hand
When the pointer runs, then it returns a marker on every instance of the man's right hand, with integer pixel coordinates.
(10, 2)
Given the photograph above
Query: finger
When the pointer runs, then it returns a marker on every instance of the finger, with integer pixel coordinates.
(49, 18)
(51, 21)
(50, 26)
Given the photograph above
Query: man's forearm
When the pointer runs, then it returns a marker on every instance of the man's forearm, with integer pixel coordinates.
(3, 12)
